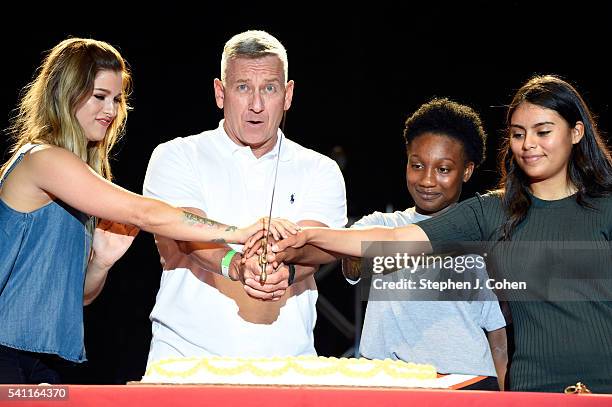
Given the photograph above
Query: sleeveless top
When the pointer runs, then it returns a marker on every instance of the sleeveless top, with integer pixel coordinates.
(43, 260)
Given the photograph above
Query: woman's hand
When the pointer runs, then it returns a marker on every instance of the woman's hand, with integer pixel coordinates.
(295, 240)
(111, 240)
(278, 228)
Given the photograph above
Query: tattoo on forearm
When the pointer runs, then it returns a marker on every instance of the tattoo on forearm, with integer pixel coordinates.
(196, 220)
(199, 221)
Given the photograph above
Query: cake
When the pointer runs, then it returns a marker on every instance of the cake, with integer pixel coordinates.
(294, 371)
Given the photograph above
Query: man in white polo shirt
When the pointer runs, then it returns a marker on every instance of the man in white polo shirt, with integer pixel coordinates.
(208, 302)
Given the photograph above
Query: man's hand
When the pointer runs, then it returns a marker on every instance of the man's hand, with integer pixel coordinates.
(277, 280)
(275, 286)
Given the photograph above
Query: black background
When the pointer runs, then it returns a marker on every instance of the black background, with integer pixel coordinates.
(359, 71)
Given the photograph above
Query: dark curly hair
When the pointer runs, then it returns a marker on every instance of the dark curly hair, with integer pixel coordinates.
(445, 117)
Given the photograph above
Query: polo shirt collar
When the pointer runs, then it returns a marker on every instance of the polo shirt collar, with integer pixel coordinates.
(287, 153)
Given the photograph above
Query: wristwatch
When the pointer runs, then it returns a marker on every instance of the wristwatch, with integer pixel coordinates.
(291, 273)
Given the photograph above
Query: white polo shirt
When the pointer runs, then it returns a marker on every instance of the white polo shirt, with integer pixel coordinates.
(193, 314)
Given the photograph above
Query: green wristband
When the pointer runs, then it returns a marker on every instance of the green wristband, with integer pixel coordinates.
(225, 262)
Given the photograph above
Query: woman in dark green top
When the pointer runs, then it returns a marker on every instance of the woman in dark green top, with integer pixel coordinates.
(552, 214)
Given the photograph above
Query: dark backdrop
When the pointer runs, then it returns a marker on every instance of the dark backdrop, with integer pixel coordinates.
(358, 71)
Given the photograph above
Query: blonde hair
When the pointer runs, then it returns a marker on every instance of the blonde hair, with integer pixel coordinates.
(46, 113)
(253, 44)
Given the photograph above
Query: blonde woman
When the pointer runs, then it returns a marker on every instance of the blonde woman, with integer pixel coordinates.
(53, 188)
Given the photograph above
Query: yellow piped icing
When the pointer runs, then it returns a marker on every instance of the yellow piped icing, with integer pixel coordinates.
(309, 366)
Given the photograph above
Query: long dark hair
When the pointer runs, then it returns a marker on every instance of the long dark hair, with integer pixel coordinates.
(590, 163)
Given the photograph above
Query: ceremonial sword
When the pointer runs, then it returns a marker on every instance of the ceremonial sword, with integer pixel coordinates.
(263, 257)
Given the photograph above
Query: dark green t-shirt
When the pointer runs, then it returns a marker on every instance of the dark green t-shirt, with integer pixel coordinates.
(562, 323)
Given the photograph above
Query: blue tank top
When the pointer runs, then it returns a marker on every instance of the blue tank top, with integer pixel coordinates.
(43, 260)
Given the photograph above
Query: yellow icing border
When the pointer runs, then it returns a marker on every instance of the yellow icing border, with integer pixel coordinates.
(351, 368)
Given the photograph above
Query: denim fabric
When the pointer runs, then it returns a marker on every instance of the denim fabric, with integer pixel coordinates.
(43, 259)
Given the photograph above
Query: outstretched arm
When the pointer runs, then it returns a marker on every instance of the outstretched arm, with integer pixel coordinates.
(209, 255)
(348, 241)
(63, 175)
(307, 254)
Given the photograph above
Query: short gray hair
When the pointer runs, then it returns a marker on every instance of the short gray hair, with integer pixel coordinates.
(253, 44)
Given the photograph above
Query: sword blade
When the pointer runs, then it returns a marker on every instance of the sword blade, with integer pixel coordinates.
(263, 262)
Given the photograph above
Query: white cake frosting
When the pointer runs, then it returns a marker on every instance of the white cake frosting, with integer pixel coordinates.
(295, 371)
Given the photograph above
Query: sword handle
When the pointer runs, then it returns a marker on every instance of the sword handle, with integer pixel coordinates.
(263, 261)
